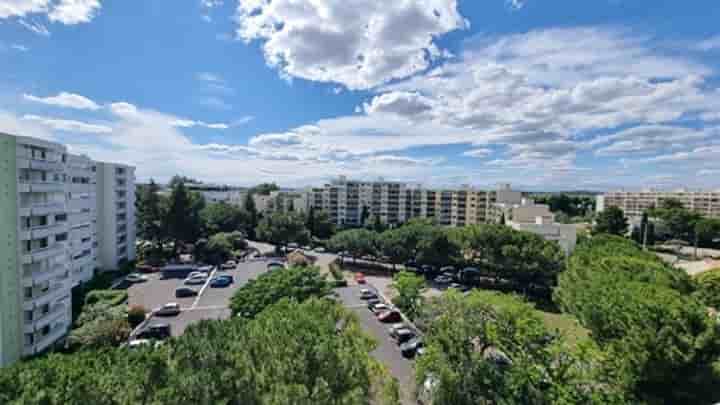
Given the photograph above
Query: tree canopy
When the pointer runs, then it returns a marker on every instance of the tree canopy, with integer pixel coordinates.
(281, 228)
(302, 353)
(612, 221)
(297, 283)
(409, 288)
(709, 287)
(224, 217)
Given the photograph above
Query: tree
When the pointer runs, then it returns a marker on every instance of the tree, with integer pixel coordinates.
(223, 217)
(491, 348)
(253, 219)
(642, 313)
(149, 214)
(375, 224)
(645, 234)
(611, 221)
(264, 189)
(409, 289)
(281, 228)
(391, 244)
(297, 283)
(707, 232)
(136, 315)
(435, 247)
(319, 224)
(182, 220)
(357, 242)
(709, 288)
(219, 248)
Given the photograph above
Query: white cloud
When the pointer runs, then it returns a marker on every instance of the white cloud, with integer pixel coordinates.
(18, 47)
(647, 139)
(21, 8)
(210, 77)
(516, 4)
(68, 125)
(183, 123)
(64, 99)
(37, 28)
(402, 103)
(67, 12)
(356, 43)
(72, 12)
(478, 153)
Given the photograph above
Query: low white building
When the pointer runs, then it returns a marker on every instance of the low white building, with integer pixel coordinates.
(538, 219)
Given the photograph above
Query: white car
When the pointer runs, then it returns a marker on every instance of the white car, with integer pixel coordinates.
(380, 308)
(195, 274)
(229, 265)
(201, 279)
(320, 249)
(366, 294)
(136, 278)
(169, 309)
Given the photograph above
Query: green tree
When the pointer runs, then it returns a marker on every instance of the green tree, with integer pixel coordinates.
(644, 234)
(357, 242)
(297, 283)
(436, 248)
(491, 348)
(409, 289)
(391, 244)
(219, 248)
(224, 217)
(707, 232)
(264, 189)
(252, 213)
(709, 288)
(318, 224)
(611, 221)
(150, 215)
(182, 220)
(281, 228)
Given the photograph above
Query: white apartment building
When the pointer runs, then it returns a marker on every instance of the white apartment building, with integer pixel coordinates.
(35, 280)
(634, 203)
(218, 193)
(54, 208)
(282, 201)
(116, 214)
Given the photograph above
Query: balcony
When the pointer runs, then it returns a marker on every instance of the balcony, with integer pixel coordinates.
(39, 255)
(41, 297)
(41, 276)
(40, 232)
(43, 342)
(41, 209)
(40, 320)
(38, 186)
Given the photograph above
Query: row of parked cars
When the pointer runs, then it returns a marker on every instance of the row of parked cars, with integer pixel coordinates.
(461, 279)
(411, 344)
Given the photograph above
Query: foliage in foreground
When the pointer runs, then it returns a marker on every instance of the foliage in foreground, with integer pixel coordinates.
(298, 283)
(488, 347)
(709, 287)
(409, 287)
(641, 312)
(291, 353)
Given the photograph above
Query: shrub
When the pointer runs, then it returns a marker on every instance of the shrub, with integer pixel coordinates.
(709, 287)
(136, 315)
(107, 297)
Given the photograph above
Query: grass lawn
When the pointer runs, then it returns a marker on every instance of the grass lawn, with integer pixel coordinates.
(566, 324)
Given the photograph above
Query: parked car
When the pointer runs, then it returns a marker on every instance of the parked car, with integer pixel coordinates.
(391, 316)
(366, 294)
(373, 301)
(169, 309)
(136, 278)
(395, 327)
(409, 348)
(275, 266)
(403, 335)
(229, 265)
(155, 331)
(360, 278)
(194, 274)
(206, 269)
(429, 271)
(443, 279)
(195, 280)
(292, 245)
(320, 249)
(460, 287)
(470, 275)
(182, 292)
(136, 343)
(220, 282)
(448, 270)
(227, 276)
(380, 307)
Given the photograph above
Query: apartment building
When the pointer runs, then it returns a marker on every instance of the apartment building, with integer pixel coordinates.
(537, 218)
(282, 201)
(35, 266)
(116, 214)
(634, 203)
(81, 190)
(213, 193)
(54, 209)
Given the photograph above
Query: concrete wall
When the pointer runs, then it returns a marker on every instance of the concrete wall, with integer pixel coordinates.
(10, 295)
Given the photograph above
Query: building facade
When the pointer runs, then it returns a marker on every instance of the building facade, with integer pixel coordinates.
(116, 214)
(634, 203)
(50, 239)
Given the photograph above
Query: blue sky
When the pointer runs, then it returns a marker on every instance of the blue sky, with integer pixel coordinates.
(543, 94)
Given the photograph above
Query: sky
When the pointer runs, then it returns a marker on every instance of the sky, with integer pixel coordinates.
(542, 94)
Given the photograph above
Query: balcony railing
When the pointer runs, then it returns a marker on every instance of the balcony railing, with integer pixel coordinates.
(38, 255)
(41, 276)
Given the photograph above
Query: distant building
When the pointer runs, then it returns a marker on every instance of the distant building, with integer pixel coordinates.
(634, 203)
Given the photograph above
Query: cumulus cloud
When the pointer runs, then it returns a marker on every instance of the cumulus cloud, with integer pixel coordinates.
(67, 12)
(710, 44)
(68, 125)
(183, 123)
(357, 43)
(399, 102)
(647, 139)
(64, 99)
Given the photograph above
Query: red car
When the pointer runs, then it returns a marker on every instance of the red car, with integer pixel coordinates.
(389, 316)
(360, 278)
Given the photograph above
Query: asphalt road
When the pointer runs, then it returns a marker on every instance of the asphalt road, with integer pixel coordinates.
(387, 351)
(211, 303)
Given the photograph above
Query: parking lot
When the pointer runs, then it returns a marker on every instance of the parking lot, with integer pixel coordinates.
(387, 351)
(210, 303)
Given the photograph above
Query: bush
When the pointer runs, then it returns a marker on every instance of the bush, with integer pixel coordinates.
(136, 315)
(107, 297)
(336, 272)
(709, 287)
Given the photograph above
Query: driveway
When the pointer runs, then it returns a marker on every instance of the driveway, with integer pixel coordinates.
(387, 351)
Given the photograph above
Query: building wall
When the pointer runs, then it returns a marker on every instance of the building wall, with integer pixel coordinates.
(10, 296)
(634, 203)
(82, 217)
(116, 214)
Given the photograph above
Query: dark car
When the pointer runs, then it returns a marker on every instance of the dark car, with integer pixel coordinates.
(429, 271)
(155, 331)
(220, 282)
(373, 301)
(389, 316)
(470, 275)
(409, 348)
(227, 276)
(275, 265)
(182, 292)
(460, 287)
(403, 335)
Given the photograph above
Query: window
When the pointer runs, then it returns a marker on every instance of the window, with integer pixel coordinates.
(43, 243)
(60, 217)
(28, 316)
(29, 339)
(62, 237)
(28, 292)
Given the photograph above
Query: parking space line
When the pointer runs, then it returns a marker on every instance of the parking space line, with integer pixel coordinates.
(208, 307)
(202, 290)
